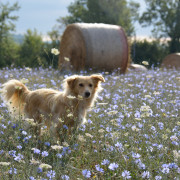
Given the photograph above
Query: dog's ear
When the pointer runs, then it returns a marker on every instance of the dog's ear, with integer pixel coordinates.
(71, 81)
(97, 78)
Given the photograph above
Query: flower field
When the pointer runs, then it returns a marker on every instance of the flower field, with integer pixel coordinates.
(133, 131)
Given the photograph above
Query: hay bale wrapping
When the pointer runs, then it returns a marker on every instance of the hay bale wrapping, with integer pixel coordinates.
(97, 46)
(171, 61)
(137, 68)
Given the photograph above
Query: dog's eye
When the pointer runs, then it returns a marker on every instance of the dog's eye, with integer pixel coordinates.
(81, 85)
(90, 85)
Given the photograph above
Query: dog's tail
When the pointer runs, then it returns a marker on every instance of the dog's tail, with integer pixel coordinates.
(14, 93)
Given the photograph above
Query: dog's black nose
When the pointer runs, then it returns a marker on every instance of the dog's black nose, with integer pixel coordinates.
(87, 94)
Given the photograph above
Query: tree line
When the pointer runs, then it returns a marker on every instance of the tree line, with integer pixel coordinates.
(163, 15)
(32, 51)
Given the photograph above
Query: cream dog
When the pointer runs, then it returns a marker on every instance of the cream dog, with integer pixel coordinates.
(52, 107)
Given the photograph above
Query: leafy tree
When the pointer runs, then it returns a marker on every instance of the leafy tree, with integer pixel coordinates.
(164, 15)
(119, 12)
(8, 49)
(31, 50)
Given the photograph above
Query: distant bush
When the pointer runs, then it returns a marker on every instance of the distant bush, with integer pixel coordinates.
(8, 51)
(152, 52)
(30, 50)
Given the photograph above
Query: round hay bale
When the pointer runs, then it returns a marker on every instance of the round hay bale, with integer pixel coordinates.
(137, 68)
(171, 61)
(97, 46)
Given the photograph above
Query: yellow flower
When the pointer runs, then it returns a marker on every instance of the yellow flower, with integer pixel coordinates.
(156, 93)
(147, 96)
(89, 135)
(126, 134)
(18, 87)
(145, 63)
(55, 51)
(134, 128)
(85, 153)
(5, 163)
(80, 97)
(65, 144)
(176, 155)
(145, 108)
(3, 91)
(130, 85)
(122, 105)
(173, 101)
(149, 76)
(71, 97)
(33, 161)
(164, 136)
(81, 138)
(66, 59)
(112, 112)
(164, 114)
(115, 135)
(126, 145)
(60, 120)
(70, 115)
(30, 121)
(56, 147)
(28, 69)
(102, 103)
(146, 114)
(101, 130)
(23, 80)
(138, 119)
(45, 166)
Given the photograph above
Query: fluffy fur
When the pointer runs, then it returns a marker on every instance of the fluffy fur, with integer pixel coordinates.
(53, 107)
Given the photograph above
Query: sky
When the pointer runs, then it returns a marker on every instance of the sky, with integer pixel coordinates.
(42, 15)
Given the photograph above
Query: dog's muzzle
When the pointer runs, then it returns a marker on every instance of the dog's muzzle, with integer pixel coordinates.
(87, 94)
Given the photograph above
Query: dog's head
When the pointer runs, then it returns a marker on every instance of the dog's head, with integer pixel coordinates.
(84, 86)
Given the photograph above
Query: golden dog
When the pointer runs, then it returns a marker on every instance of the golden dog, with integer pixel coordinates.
(52, 107)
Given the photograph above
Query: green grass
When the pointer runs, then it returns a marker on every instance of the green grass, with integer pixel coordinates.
(134, 124)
